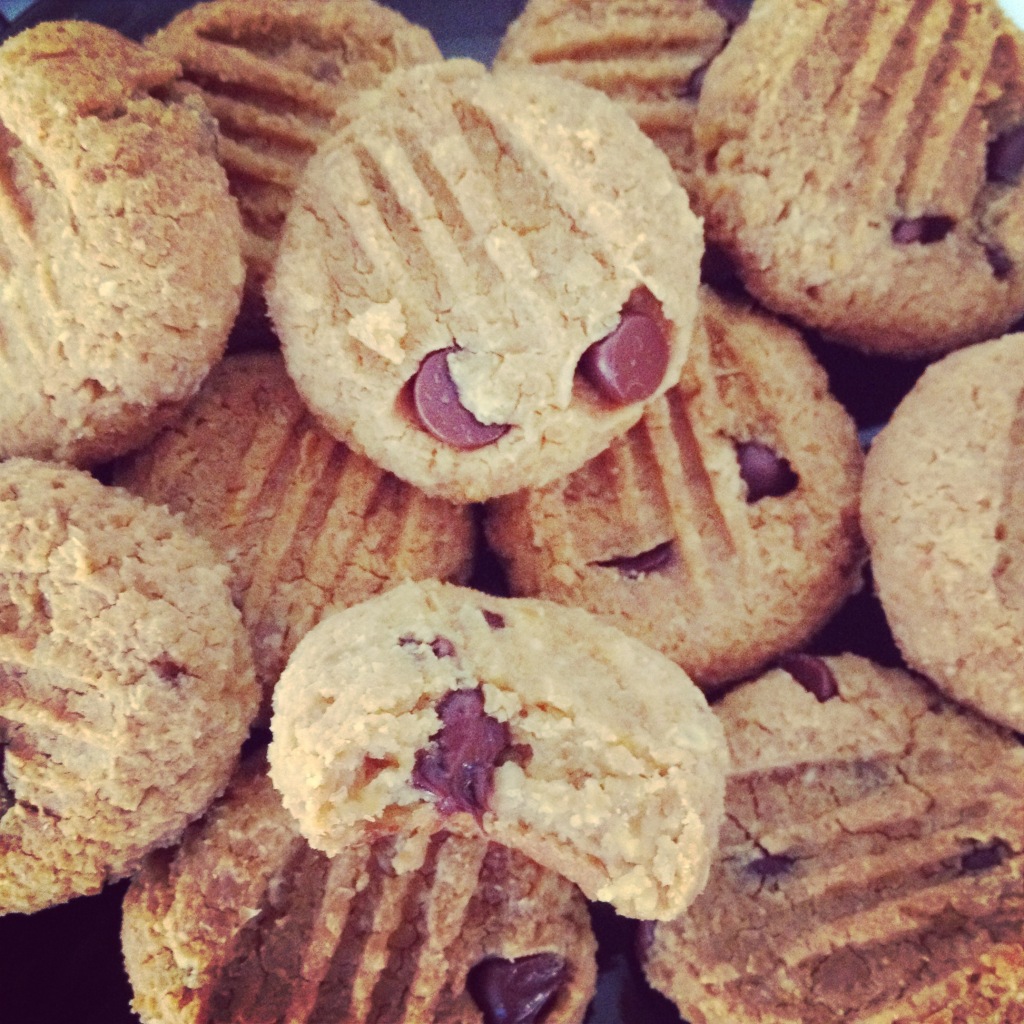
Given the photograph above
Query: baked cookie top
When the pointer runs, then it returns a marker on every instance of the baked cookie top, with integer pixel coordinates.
(540, 727)
(871, 866)
(126, 682)
(723, 528)
(244, 921)
(862, 164)
(119, 244)
(485, 277)
(272, 73)
(943, 513)
(305, 524)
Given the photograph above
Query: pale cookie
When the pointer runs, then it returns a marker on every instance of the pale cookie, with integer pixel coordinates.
(649, 55)
(126, 683)
(485, 278)
(244, 922)
(862, 164)
(943, 513)
(871, 869)
(305, 525)
(273, 73)
(437, 707)
(120, 245)
(722, 529)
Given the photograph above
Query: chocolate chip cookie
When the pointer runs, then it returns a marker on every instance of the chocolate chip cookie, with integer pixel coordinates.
(485, 278)
(437, 707)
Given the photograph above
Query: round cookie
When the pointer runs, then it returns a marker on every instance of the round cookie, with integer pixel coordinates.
(648, 55)
(273, 73)
(485, 278)
(126, 683)
(244, 922)
(437, 707)
(871, 868)
(862, 165)
(722, 529)
(304, 524)
(943, 513)
(120, 245)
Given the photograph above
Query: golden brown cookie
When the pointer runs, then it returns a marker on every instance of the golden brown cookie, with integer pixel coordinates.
(722, 529)
(649, 55)
(305, 524)
(126, 682)
(943, 512)
(434, 707)
(871, 869)
(245, 922)
(862, 164)
(120, 255)
(486, 278)
(273, 73)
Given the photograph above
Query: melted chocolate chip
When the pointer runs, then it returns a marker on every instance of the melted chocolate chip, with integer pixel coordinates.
(982, 858)
(520, 991)
(764, 471)
(458, 765)
(927, 229)
(771, 866)
(635, 566)
(442, 414)
(493, 619)
(812, 674)
(1005, 160)
(629, 364)
(733, 11)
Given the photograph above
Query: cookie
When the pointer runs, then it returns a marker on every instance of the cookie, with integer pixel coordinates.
(872, 864)
(943, 512)
(272, 73)
(435, 707)
(126, 683)
(120, 245)
(722, 529)
(649, 55)
(305, 524)
(862, 165)
(485, 278)
(245, 922)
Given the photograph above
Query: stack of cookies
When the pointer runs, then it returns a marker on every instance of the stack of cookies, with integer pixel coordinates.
(432, 509)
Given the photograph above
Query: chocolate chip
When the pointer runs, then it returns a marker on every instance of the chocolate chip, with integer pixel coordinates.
(441, 646)
(764, 471)
(493, 619)
(733, 11)
(1005, 159)
(458, 765)
(771, 866)
(634, 566)
(981, 858)
(999, 261)
(812, 674)
(629, 364)
(927, 229)
(520, 991)
(168, 669)
(441, 413)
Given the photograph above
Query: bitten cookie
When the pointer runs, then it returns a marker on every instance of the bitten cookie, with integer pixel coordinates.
(126, 683)
(437, 707)
(305, 524)
(649, 55)
(120, 245)
(245, 922)
(485, 278)
(722, 529)
(272, 73)
(862, 164)
(943, 512)
(872, 864)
